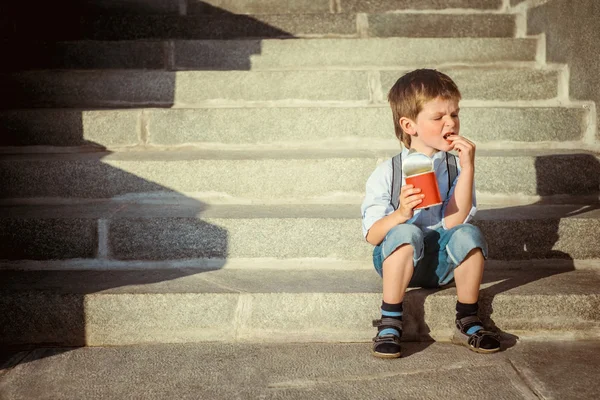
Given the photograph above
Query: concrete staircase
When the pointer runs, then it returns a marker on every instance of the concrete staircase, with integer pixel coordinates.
(174, 171)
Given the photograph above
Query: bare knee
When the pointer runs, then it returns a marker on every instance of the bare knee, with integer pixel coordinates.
(401, 257)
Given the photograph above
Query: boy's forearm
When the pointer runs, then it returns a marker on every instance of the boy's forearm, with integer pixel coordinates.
(381, 228)
(461, 202)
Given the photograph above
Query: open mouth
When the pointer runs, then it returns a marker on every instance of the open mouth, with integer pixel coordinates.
(448, 135)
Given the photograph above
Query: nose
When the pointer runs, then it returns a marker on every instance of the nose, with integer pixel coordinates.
(449, 122)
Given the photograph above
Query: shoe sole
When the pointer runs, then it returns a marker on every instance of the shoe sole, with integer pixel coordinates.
(386, 355)
(459, 342)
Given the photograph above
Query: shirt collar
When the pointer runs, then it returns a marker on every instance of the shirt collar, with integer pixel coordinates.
(437, 157)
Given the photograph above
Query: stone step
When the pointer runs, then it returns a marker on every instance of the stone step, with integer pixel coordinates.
(211, 234)
(198, 88)
(273, 54)
(318, 127)
(225, 25)
(528, 369)
(287, 174)
(395, 5)
(212, 7)
(109, 308)
(322, 6)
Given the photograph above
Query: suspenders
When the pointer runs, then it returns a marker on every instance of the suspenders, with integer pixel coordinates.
(397, 176)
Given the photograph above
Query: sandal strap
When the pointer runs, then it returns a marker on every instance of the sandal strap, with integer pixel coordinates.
(387, 339)
(469, 320)
(388, 323)
(475, 339)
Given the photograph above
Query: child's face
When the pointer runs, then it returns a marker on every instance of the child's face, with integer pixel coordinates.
(437, 120)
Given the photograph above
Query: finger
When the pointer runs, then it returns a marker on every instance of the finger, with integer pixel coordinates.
(414, 198)
(462, 147)
(460, 139)
(406, 187)
(413, 204)
(410, 193)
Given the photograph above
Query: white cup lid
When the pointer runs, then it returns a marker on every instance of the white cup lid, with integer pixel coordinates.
(416, 163)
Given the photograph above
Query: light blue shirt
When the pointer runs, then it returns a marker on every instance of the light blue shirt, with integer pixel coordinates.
(376, 203)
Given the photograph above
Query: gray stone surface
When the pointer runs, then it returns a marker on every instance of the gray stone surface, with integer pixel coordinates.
(42, 317)
(273, 126)
(569, 375)
(258, 6)
(179, 238)
(95, 176)
(349, 53)
(35, 239)
(441, 25)
(283, 174)
(193, 87)
(88, 88)
(216, 26)
(133, 6)
(161, 88)
(281, 306)
(87, 55)
(502, 84)
(300, 371)
(180, 231)
(571, 31)
(154, 88)
(192, 318)
(337, 125)
(387, 5)
(70, 127)
(542, 174)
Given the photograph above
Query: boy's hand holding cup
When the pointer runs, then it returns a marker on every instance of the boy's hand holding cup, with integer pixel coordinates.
(420, 176)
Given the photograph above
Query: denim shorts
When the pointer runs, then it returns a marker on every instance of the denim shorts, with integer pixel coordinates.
(436, 253)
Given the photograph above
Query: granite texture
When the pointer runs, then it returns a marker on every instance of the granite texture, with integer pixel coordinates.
(47, 238)
(441, 25)
(394, 5)
(572, 37)
(258, 6)
(70, 127)
(286, 174)
(389, 52)
(500, 84)
(86, 55)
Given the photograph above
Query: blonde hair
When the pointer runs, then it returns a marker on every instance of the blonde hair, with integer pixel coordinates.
(413, 90)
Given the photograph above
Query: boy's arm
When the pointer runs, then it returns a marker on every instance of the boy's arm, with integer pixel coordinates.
(409, 199)
(461, 202)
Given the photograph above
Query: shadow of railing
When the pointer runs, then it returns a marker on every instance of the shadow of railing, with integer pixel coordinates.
(73, 230)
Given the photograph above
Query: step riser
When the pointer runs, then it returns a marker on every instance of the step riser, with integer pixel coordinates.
(87, 89)
(267, 179)
(243, 126)
(231, 26)
(106, 320)
(387, 5)
(246, 54)
(190, 238)
(216, 7)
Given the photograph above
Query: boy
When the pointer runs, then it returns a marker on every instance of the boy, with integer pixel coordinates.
(427, 247)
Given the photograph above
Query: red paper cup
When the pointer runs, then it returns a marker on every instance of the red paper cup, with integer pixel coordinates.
(429, 187)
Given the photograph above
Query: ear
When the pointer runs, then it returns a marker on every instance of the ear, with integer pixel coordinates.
(408, 125)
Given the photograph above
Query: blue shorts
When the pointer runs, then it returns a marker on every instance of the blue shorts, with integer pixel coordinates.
(436, 253)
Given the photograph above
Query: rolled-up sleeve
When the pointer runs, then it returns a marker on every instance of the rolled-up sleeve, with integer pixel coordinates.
(473, 210)
(376, 203)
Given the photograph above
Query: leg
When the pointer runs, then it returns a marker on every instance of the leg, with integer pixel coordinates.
(467, 249)
(400, 251)
(397, 270)
(468, 277)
